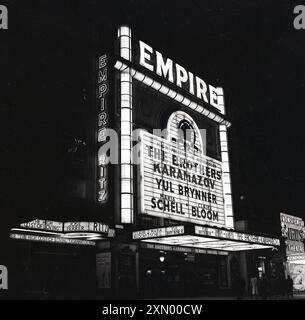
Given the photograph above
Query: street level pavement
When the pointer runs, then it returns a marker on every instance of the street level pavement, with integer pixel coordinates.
(274, 297)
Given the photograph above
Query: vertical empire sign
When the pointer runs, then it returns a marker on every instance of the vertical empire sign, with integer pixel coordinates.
(102, 122)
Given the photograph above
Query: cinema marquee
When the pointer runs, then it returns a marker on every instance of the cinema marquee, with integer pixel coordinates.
(179, 196)
(166, 222)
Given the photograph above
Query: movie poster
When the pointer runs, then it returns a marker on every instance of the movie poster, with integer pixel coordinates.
(297, 274)
(103, 270)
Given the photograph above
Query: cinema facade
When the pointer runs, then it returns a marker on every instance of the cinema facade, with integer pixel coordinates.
(165, 222)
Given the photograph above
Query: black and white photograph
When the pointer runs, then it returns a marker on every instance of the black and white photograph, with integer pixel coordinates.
(152, 151)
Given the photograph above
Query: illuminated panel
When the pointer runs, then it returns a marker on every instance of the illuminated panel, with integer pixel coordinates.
(48, 239)
(43, 225)
(84, 235)
(298, 258)
(227, 193)
(171, 93)
(165, 247)
(75, 226)
(206, 243)
(157, 232)
(74, 230)
(237, 236)
(205, 238)
(124, 35)
(36, 231)
(86, 227)
(178, 185)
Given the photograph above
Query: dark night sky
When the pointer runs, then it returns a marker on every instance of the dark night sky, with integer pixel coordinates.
(250, 48)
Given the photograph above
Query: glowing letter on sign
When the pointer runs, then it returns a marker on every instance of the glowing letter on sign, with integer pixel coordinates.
(144, 55)
(213, 96)
(164, 69)
(3, 278)
(3, 17)
(181, 75)
(102, 61)
(201, 89)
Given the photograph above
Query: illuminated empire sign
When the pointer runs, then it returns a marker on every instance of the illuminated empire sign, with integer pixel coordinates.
(178, 186)
(176, 74)
(103, 87)
(205, 196)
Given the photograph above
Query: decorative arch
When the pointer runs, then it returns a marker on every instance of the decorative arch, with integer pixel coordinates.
(177, 125)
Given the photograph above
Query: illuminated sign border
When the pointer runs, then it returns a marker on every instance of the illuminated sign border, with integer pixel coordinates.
(167, 247)
(158, 232)
(172, 94)
(62, 227)
(48, 239)
(126, 193)
(236, 236)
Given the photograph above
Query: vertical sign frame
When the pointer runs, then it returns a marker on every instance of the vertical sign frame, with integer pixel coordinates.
(126, 193)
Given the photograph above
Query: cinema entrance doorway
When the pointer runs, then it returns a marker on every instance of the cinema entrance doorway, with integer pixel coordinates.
(181, 274)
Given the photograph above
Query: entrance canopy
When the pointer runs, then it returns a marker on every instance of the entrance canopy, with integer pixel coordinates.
(203, 237)
(75, 233)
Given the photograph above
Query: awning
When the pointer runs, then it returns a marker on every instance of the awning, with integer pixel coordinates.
(75, 233)
(203, 237)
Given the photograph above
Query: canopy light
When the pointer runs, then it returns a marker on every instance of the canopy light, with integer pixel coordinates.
(207, 238)
(78, 233)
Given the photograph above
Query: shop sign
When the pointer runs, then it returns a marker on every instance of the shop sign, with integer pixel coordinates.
(43, 225)
(85, 227)
(293, 231)
(158, 232)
